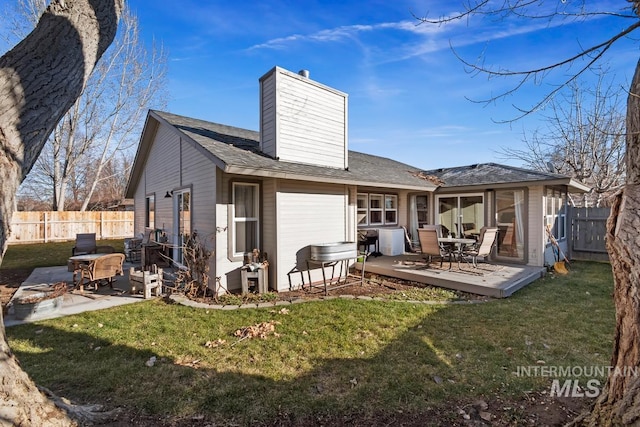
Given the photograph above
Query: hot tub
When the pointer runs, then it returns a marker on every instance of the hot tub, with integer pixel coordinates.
(336, 251)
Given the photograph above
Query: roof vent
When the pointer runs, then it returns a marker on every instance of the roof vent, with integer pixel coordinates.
(304, 73)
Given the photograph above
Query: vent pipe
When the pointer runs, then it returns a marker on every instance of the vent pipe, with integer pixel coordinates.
(304, 73)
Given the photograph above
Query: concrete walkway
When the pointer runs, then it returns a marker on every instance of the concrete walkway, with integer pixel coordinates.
(72, 303)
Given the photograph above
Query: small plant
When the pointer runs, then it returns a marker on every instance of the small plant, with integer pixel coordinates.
(194, 279)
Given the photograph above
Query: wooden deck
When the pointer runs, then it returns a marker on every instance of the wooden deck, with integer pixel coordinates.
(490, 279)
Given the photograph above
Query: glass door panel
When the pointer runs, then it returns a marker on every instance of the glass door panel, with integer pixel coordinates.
(462, 216)
(471, 218)
(511, 224)
(448, 215)
(182, 229)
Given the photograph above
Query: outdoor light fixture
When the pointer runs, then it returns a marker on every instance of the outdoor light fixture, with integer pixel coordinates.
(168, 195)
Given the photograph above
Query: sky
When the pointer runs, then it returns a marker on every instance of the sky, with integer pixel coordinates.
(410, 97)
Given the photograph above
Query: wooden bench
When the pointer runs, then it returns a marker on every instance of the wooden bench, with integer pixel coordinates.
(146, 281)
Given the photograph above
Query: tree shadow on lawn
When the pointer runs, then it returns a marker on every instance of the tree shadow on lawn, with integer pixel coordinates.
(441, 359)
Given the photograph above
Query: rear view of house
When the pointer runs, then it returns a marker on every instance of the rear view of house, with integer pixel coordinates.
(294, 184)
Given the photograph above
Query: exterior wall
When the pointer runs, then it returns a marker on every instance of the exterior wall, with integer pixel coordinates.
(270, 227)
(227, 269)
(166, 170)
(536, 254)
(161, 172)
(302, 121)
(293, 215)
(307, 214)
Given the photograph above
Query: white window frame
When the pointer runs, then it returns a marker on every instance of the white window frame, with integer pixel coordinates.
(236, 220)
(394, 209)
(372, 197)
(365, 210)
(555, 200)
(368, 210)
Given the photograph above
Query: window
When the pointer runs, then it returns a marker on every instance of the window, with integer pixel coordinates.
(245, 218)
(363, 202)
(390, 209)
(422, 210)
(150, 211)
(377, 209)
(555, 212)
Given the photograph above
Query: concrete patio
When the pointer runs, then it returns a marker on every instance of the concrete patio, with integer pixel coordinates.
(496, 280)
(73, 302)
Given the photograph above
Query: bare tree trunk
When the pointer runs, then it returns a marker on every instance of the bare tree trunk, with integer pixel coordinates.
(40, 79)
(619, 402)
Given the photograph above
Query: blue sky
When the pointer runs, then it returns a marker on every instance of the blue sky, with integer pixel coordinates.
(407, 90)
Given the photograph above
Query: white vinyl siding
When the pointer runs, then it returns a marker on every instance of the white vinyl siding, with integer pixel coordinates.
(303, 121)
(307, 215)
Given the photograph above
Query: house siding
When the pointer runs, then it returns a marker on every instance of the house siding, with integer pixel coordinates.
(535, 226)
(160, 174)
(307, 215)
(303, 121)
(269, 226)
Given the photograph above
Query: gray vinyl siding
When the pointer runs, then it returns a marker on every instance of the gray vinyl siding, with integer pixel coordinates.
(307, 214)
(199, 174)
(268, 129)
(160, 174)
(269, 226)
(303, 121)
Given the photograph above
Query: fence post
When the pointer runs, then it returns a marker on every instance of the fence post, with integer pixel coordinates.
(46, 235)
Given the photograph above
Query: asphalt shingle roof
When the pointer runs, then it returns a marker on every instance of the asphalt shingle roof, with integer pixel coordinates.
(488, 174)
(240, 148)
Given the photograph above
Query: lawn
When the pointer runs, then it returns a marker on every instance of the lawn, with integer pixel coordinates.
(340, 357)
(46, 254)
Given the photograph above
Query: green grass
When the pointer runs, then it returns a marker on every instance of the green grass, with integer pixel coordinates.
(338, 356)
(46, 254)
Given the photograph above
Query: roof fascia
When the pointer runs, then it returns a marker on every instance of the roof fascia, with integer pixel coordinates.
(267, 173)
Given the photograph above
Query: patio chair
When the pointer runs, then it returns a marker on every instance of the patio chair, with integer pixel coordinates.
(104, 268)
(429, 245)
(484, 246)
(85, 244)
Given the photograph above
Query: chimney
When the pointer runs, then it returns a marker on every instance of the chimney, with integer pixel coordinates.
(302, 121)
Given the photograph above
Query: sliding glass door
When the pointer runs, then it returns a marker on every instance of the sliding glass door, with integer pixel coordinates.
(511, 222)
(461, 215)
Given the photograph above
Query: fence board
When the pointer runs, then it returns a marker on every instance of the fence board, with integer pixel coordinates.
(50, 226)
(588, 231)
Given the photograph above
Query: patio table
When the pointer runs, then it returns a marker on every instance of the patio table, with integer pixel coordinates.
(458, 243)
(76, 261)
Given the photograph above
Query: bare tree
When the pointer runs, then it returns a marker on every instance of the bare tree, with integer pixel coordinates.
(619, 402)
(584, 139)
(104, 121)
(40, 79)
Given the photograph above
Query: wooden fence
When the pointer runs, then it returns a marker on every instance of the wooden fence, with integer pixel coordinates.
(588, 230)
(34, 227)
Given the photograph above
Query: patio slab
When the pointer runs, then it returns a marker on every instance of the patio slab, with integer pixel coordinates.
(489, 279)
(73, 303)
